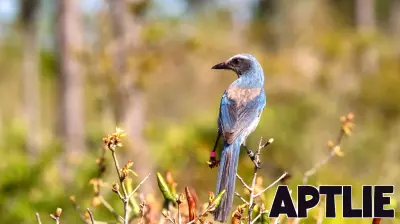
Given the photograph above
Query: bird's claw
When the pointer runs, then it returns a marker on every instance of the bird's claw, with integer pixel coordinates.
(257, 164)
(213, 162)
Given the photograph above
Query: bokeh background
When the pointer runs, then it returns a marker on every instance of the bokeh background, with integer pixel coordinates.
(73, 70)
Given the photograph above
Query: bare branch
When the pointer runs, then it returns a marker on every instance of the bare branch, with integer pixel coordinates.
(241, 198)
(271, 185)
(168, 217)
(138, 186)
(256, 161)
(38, 218)
(258, 216)
(111, 209)
(57, 219)
(90, 215)
(121, 178)
(244, 183)
(142, 208)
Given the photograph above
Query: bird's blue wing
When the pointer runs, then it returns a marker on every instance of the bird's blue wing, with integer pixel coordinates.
(235, 117)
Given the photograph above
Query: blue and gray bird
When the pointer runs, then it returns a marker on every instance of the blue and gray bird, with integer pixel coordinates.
(240, 109)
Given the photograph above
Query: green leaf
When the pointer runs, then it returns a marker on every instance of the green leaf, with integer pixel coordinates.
(217, 200)
(164, 188)
(264, 219)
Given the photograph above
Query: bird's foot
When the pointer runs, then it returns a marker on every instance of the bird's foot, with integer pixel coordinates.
(213, 162)
(257, 164)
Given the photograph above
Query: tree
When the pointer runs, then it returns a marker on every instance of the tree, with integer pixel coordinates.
(365, 14)
(30, 75)
(69, 43)
(131, 111)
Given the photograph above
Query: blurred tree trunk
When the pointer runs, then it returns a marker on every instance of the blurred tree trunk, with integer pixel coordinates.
(365, 18)
(131, 111)
(71, 114)
(30, 75)
(365, 14)
(395, 17)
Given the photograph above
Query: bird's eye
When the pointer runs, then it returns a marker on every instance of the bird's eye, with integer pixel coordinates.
(235, 61)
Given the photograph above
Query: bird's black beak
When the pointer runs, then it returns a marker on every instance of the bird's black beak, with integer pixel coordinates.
(222, 65)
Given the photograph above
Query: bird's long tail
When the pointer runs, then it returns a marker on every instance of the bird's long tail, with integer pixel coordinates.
(226, 179)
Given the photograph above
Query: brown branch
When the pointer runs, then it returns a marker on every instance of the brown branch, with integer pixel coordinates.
(168, 217)
(142, 208)
(91, 215)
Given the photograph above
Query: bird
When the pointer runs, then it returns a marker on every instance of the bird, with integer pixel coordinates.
(240, 110)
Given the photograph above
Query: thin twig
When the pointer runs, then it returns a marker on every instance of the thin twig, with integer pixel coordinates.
(256, 160)
(55, 218)
(315, 168)
(38, 218)
(241, 198)
(179, 214)
(320, 213)
(111, 209)
(258, 216)
(121, 178)
(77, 209)
(319, 164)
(208, 209)
(138, 186)
(271, 185)
(90, 215)
(244, 183)
(168, 217)
(143, 207)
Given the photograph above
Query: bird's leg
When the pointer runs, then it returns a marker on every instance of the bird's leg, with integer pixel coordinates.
(252, 156)
(213, 162)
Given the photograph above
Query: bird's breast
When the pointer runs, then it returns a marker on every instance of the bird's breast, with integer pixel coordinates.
(242, 95)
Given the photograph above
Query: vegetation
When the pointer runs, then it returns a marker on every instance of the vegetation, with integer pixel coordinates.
(71, 71)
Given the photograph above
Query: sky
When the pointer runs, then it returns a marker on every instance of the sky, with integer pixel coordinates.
(9, 8)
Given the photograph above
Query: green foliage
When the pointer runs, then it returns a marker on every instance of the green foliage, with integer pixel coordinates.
(312, 58)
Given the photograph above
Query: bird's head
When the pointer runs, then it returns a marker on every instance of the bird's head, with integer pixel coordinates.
(241, 64)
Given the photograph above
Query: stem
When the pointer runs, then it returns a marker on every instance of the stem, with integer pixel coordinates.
(138, 186)
(111, 209)
(256, 160)
(38, 218)
(179, 214)
(244, 183)
(241, 198)
(143, 205)
(121, 178)
(251, 201)
(91, 215)
(315, 168)
(271, 185)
